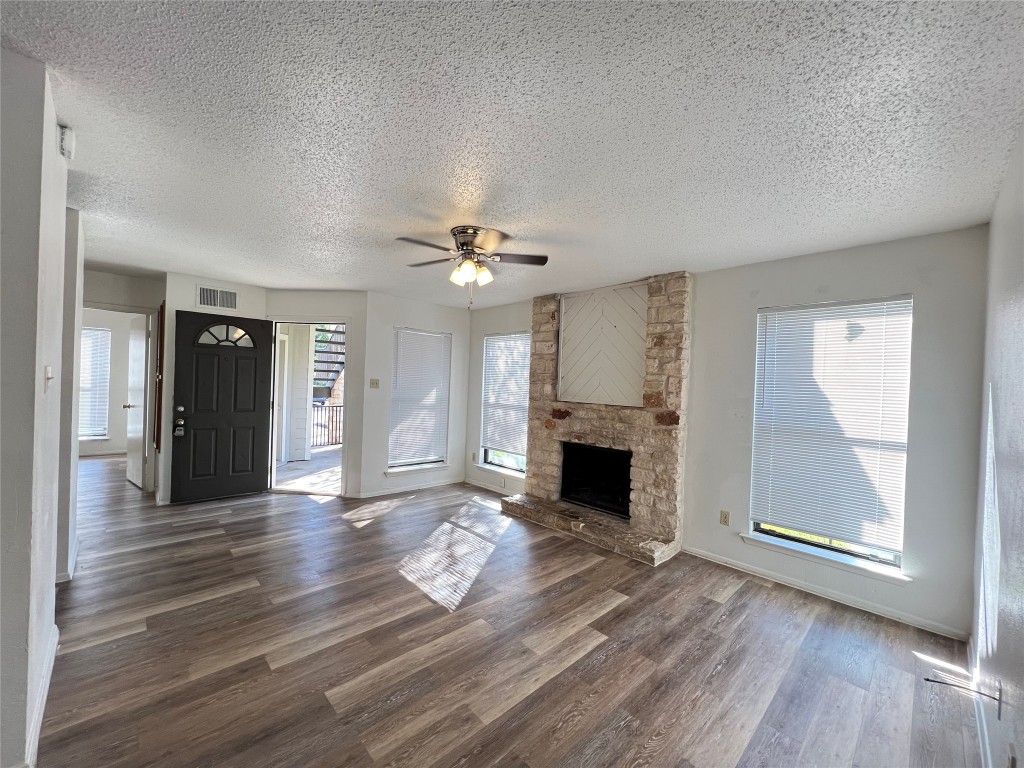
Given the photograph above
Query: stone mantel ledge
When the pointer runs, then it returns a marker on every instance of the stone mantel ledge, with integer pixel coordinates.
(593, 527)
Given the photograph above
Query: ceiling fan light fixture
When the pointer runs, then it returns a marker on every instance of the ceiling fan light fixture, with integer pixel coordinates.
(468, 271)
(457, 278)
(474, 248)
(483, 276)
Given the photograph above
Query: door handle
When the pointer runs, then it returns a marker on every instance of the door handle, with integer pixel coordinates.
(179, 428)
(129, 405)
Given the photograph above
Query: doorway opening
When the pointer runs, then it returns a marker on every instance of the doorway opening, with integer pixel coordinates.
(115, 391)
(309, 408)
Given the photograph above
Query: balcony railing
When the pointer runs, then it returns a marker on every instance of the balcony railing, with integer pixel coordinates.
(327, 425)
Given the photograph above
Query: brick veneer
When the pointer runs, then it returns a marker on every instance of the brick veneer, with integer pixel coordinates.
(655, 433)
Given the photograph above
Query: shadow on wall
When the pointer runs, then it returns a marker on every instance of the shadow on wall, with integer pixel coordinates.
(816, 417)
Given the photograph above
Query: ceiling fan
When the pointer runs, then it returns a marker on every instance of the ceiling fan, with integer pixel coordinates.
(474, 247)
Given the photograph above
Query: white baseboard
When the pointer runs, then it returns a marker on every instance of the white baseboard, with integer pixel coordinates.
(979, 708)
(36, 724)
(394, 491)
(67, 575)
(489, 487)
(839, 597)
(982, 725)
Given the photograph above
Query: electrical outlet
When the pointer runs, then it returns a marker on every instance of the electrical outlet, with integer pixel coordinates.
(474, 458)
(723, 517)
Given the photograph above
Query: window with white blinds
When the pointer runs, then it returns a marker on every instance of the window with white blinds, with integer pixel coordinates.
(830, 425)
(419, 398)
(506, 399)
(94, 383)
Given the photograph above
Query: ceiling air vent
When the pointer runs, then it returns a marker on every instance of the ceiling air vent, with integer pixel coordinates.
(217, 298)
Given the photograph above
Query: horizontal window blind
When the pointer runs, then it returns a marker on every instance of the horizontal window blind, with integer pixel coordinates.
(830, 420)
(506, 395)
(420, 382)
(94, 383)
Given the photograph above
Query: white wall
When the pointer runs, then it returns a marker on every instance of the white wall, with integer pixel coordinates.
(67, 492)
(181, 293)
(127, 293)
(34, 187)
(300, 390)
(119, 324)
(510, 318)
(370, 320)
(383, 315)
(946, 275)
(999, 576)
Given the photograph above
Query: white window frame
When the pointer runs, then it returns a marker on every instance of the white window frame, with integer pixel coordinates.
(864, 540)
(98, 402)
(485, 449)
(400, 410)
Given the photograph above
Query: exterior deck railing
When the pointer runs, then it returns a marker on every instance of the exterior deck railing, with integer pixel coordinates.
(327, 421)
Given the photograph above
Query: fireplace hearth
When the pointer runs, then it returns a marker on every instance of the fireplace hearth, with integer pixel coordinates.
(597, 478)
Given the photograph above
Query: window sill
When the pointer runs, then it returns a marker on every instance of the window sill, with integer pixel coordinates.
(410, 468)
(94, 439)
(502, 471)
(835, 559)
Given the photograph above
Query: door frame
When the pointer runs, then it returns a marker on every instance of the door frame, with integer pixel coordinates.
(346, 456)
(149, 460)
(282, 392)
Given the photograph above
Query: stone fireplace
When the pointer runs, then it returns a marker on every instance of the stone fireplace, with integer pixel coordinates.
(653, 434)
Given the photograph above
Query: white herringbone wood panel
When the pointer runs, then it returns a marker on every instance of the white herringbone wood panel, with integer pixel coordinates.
(601, 349)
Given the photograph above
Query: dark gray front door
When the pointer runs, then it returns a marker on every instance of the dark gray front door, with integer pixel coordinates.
(221, 425)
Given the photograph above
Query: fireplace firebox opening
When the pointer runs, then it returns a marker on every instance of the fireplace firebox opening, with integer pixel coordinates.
(597, 478)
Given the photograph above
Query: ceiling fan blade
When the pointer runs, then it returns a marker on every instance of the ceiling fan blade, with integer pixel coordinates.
(521, 258)
(489, 240)
(428, 263)
(424, 242)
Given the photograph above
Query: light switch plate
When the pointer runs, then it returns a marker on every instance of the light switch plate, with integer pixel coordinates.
(374, 383)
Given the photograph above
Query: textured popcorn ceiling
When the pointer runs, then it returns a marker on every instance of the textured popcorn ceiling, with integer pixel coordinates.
(288, 144)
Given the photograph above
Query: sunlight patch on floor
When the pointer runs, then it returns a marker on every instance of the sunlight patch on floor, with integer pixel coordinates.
(369, 512)
(939, 663)
(320, 474)
(445, 566)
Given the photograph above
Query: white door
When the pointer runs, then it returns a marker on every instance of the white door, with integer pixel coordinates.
(136, 405)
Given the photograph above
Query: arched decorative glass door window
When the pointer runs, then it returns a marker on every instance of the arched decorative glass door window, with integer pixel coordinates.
(225, 336)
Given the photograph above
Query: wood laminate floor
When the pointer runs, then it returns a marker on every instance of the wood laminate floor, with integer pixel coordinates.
(427, 629)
